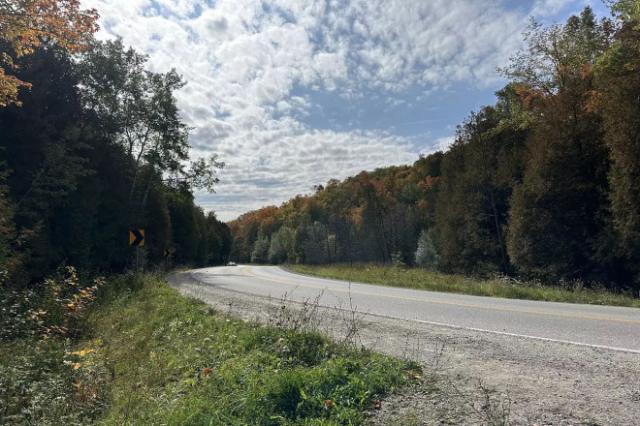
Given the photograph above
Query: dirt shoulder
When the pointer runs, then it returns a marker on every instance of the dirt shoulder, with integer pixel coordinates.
(470, 377)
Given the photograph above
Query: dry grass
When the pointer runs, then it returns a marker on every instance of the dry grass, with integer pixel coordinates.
(421, 279)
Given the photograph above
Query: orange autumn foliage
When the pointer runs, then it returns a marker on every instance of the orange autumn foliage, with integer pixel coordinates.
(26, 24)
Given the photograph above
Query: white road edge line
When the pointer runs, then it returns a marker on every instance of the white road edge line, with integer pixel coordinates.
(440, 324)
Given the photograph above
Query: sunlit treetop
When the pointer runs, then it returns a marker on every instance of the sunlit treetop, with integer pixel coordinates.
(27, 24)
(627, 10)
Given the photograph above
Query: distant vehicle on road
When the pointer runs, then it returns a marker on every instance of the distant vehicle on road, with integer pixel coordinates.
(231, 264)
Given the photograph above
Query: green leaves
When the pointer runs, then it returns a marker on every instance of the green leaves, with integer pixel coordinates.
(135, 105)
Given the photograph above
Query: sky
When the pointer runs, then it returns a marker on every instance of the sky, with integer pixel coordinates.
(292, 93)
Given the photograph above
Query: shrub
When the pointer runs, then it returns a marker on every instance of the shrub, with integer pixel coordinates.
(426, 254)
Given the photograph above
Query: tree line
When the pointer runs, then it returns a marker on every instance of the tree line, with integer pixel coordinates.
(92, 145)
(544, 184)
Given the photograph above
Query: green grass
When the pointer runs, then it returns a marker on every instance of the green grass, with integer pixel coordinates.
(36, 387)
(177, 362)
(150, 356)
(426, 280)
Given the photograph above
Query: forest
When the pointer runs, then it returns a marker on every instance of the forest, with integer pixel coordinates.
(91, 145)
(543, 185)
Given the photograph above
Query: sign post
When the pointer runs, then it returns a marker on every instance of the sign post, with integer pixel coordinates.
(136, 239)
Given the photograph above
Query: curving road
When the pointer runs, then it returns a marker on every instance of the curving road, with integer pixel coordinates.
(604, 327)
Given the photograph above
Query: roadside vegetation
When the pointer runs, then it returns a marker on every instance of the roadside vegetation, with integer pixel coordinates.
(421, 279)
(146, 355)
(540, 186)
(94, 147)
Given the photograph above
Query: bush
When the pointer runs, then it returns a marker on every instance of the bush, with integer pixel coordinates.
(260, 253)
(277, 250)
(426, 254)
(53, 308)
(42, 379)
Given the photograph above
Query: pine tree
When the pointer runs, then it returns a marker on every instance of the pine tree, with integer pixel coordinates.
(260, 253)
(426, 253)
(618, 81)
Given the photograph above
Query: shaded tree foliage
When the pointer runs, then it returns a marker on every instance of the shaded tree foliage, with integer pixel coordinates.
(558, 212)
(619, 72)
(66, 181)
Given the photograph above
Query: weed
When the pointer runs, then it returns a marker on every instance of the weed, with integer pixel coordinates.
(499, 286)
(177, 362)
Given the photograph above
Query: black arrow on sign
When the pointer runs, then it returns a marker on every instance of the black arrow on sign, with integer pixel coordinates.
(136, 237)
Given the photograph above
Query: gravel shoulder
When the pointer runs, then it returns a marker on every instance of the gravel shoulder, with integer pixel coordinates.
(470, 377)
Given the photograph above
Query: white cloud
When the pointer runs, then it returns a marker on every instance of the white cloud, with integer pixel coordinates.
(544, 8)
(443, 144)
(304, 158)
(243, 60)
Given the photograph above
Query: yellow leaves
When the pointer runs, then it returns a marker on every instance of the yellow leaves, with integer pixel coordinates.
(71, 299)
(83, 352)
(74, 365)
(26, 24)
(9, 88)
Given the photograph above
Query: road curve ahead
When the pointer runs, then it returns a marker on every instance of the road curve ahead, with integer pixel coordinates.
(606, 327)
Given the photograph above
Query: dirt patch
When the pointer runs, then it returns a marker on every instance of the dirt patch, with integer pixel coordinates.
(470, 377)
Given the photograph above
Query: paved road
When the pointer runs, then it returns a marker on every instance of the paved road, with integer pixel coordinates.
(603, 327)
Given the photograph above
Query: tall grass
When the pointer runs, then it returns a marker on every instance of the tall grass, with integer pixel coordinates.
(175, 361)
(149, 356)
(421, 279)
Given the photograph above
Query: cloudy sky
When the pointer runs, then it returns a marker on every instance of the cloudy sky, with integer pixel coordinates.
(291, 93)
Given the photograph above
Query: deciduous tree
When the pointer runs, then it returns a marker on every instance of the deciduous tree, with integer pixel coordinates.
(26, 24)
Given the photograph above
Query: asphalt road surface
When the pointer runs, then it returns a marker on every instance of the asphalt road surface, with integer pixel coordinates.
(603, 327)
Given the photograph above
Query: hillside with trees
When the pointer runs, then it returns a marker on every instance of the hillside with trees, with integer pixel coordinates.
(92, 145)
(544, 184)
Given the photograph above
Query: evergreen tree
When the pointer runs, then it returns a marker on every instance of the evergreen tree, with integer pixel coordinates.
(426, 253)
(558, 212)
(277, 250)
(260, 253)
(618, 81)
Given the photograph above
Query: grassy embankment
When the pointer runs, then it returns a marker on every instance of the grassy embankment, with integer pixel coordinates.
(426, 280)
(150, 356)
